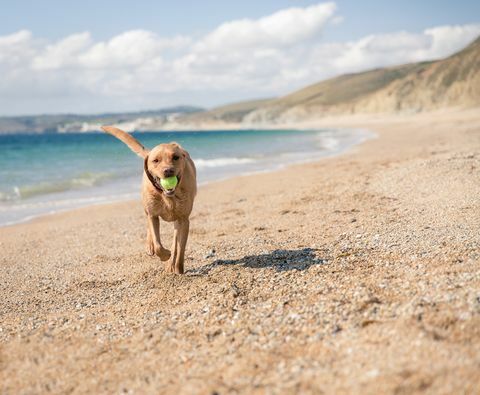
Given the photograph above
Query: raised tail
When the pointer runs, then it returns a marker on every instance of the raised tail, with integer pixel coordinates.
(128, 139)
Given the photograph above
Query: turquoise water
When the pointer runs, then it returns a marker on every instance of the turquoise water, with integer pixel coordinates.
(41, 174)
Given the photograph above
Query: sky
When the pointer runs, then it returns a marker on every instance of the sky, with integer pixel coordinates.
(98, 56)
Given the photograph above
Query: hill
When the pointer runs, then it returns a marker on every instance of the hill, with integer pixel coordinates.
(411, 88)
(234, 112)
(416, 87)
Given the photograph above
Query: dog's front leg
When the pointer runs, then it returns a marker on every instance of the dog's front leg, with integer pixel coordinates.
(183, 230)
(180, 237)
(154, 244)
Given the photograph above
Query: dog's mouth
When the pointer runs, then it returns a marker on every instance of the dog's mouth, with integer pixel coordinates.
(167, 192)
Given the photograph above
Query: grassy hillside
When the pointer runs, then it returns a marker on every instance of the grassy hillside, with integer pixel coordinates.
(450, 82)
(346, 88)
(234, 112)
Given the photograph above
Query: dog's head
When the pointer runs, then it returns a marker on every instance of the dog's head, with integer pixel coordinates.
(164, 161)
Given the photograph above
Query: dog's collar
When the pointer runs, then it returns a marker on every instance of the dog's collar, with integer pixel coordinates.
(150, 177)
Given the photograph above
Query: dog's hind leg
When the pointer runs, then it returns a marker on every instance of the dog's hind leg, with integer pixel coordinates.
(154, 244)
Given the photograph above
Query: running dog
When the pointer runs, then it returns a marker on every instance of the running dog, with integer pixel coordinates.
(172, 205)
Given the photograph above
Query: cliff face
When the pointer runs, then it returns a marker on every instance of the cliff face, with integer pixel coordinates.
(450, 82)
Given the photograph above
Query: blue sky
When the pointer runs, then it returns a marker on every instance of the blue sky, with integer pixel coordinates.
(93, 56)
(55, 18)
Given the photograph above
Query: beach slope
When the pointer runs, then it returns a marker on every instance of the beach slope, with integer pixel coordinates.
(363, 276)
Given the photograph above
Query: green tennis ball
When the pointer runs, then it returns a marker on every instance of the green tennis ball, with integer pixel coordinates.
(169, 183)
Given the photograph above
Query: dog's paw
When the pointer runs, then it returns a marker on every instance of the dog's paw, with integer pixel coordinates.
(171, 267)
(163, 253)
(150, 249)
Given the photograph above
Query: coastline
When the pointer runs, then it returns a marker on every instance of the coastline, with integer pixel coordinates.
(342, 140)
(360, 278)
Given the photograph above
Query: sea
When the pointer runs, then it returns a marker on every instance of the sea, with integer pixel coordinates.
(46, 173)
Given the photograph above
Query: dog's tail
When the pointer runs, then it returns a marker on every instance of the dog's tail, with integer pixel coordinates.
(128, 139)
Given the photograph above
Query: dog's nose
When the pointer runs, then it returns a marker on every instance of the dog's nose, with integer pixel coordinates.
(169, 172)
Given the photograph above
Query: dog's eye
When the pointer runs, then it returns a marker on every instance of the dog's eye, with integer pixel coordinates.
(175, 157)
(155, 161)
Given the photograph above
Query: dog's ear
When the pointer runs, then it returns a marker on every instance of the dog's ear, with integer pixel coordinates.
(184, 153)
(128, 139)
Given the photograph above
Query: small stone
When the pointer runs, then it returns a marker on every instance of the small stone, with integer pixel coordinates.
(235, 291)
(211, 254)
(336, 329)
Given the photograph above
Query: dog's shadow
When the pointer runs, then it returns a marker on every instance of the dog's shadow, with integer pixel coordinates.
(279, 260)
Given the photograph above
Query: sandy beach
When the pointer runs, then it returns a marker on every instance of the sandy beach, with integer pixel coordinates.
(355, 274)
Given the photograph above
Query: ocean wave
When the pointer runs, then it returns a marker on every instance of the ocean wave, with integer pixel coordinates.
(83, 180)
(330, 143)
(221, 162)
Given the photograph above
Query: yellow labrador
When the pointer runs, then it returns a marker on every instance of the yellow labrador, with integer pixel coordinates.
(174, 205)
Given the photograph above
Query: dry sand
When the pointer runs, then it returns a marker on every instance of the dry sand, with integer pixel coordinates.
(363, 278)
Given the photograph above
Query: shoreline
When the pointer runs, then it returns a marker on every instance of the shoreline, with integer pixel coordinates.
(362, 136)
(363, 278)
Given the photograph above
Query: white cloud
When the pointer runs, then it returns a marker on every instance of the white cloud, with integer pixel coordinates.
(63, 53)
(403, 47)
(15, 48)
(239, 59)
(283, 28)
(127, 49)
(448, 39)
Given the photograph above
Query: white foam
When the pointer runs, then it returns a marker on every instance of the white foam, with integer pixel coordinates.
(221, 162)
